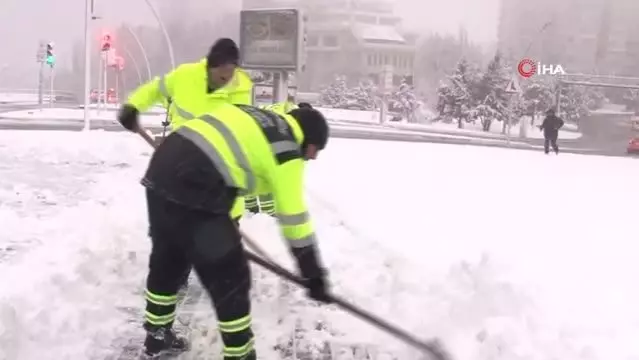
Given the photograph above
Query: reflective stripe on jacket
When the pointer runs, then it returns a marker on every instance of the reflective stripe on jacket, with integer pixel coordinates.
(258, 152)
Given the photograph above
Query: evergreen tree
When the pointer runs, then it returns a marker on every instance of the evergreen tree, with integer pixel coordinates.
(334, 95)
(458, 98)
(539, 96)
(404, 101)
(491, 92)
(364, 96)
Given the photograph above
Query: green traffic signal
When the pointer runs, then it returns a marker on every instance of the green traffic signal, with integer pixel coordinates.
(50, 60)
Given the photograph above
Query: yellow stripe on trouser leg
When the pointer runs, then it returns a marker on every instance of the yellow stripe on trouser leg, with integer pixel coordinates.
(267, 204)
(160, 309)
(237, 337)
(251, 204)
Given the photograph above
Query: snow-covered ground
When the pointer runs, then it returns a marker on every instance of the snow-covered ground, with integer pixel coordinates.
(504, 254)
(19, 98)
(77, 115)
(569, 131)
(156, 117)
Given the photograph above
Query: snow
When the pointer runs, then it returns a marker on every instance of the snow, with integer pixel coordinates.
(156, 117)
(77, 115)
(20, 98)
(495, 131)
(369, 32)
(504, 254)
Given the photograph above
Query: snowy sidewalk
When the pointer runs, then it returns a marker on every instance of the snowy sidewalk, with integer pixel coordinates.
(100, 118)
(466, 259)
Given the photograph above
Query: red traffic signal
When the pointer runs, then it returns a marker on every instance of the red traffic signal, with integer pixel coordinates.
(106, 42)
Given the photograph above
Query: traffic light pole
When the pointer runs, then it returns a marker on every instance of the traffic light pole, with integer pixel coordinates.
(106, 66)
(41, 84)
(98, 103)
(88, 17)
(51, 94)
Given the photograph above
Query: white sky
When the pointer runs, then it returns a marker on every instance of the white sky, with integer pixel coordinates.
(24, 23)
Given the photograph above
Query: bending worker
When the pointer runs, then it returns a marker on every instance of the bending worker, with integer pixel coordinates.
(194, 88)
(192, 181)
(265, 203)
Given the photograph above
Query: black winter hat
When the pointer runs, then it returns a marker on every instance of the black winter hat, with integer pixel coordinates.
(313, 125)
(223, 52)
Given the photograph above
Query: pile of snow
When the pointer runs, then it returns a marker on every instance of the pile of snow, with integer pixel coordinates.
(77, 115)
(18, 98)
(156, 116)
(155, 110)
(568, 132)
(489, 249)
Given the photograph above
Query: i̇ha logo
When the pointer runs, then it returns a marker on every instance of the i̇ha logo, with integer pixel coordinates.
(528, 68)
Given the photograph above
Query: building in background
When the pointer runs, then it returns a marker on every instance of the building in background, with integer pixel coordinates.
(584, 36)
(355, 38)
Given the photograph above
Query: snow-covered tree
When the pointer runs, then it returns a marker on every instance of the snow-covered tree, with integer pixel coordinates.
(457, 98)
(631, 100)
(364, 96)
(334, 95)
(577, 101)
(491, 92)
(539, 96)
(403, 100)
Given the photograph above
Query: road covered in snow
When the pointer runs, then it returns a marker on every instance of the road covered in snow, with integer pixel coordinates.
(503, 254)
(344, 123)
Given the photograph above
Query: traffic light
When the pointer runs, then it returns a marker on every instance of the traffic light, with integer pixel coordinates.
(50, 59)
(106, 42)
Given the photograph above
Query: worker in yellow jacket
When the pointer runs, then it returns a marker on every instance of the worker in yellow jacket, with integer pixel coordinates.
(193, 89)
(191, 183)
(265, 203)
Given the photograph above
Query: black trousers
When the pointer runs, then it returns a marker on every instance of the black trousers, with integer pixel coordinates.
(182, 237)
(551, 140)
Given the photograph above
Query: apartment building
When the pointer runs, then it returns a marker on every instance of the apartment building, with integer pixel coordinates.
(356, 38)
(581, 35)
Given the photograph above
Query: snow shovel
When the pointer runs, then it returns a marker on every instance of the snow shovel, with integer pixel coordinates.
(431, 348)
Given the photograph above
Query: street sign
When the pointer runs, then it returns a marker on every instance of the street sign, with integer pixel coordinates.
(271, 39)
(110, 57)
(513, 86)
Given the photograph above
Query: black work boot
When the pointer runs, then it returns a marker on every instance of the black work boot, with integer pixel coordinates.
(162, 341)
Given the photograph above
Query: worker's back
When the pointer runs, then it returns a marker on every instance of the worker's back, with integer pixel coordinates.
(188, 87)
(249, 143)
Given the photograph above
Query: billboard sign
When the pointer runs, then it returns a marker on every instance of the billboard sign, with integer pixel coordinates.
(271, 39)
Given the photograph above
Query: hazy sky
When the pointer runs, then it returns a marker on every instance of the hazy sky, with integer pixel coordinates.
(24, 22)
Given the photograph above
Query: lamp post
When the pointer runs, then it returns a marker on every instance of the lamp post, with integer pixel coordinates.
(144, 54)
(88, 17)
(169, 45)
(135, 64)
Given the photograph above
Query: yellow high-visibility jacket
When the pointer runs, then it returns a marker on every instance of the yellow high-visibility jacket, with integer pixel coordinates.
(184, 92)
(258, 152)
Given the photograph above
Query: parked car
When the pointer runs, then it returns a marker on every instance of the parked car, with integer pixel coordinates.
(633, 146)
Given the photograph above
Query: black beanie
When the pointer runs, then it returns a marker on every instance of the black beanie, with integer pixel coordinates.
(313, 125)
(223, 52)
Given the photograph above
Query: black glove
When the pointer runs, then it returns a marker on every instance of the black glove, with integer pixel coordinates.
(314, 276)
(128, 117)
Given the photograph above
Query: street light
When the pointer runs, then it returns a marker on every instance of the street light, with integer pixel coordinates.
(135, 64)
(137, 40)
(88, 16)
(156, 14)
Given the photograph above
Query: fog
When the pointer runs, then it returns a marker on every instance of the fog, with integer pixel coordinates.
(24, 23)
